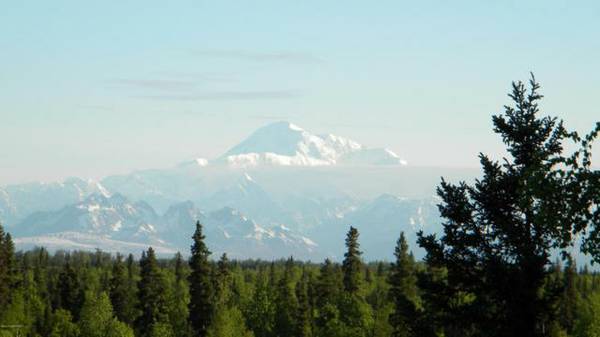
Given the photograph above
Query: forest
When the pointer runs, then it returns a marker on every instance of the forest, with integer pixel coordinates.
(502, 265)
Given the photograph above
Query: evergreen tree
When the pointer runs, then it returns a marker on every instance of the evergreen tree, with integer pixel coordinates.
(119, 289)
(62, 325)
(403, 290)
(260, 313)
(304, 312)
(222, 280)
(328, 285)
(69, 289)
(201, 290)
(131, 308)
(499, 233)
(285, 303)
(153, 294)
(7, 269)
(228, 323)
(569, 301)
(179, 313)
(98, 320)
(352, 264)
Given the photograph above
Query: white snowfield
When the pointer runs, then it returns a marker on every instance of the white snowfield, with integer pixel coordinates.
(286, 144)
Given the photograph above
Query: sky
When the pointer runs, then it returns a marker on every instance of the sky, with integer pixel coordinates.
(96, 88)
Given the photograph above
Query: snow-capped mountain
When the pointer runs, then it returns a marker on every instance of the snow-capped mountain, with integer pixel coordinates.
(282, 191)
(108, 216)
(229, 231)
(235, 234)
(285, 144)
(18, 201)
(247, 196)
(115, 223)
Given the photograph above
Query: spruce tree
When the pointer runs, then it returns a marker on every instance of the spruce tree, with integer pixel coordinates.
(285, 302)
(260, 313)
(201, 305)
(98, 320)
(354, 311)
(119, 291)
(179, 313)
(570, 297)
(499, 233)
(352, 265)
(69, 289)
(403, 290)
(328, 284)
(132, 307)
(153, 295)
(304, 312)
(222, 280)
(7, 269)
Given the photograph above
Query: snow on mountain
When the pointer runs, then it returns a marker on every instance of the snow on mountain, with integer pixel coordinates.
(109, 216)
(19, 201)
(229, 231)
(379, 222)
(113, 223)
(285, 144)
(247, 196)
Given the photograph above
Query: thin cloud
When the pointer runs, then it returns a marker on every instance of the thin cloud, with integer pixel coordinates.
(155, 84)
(282, 57)
(229, 96)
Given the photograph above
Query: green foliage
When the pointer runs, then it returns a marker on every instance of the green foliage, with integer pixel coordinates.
(228, 322)
(63, 325)
(154, 294)
(260, 312)
(352, 265)
(304, 312)
(120, 295)
(201, 305)
(499, 233)
(178, 308)
(403, 291)
(7, 269)
(588, 323)
(98, 319)
(69, 289)
(161, 330)
(286, 304)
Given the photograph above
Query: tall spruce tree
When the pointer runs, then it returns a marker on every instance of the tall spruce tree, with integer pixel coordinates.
(352, 265)
(498, 234)
(570, 298)
(179, 312)
(7, 269)
(70, 293)
(304, 312)
(153, 295)
(328, 285)
(286, 303)
(119, 291)
(222, 280)
(201, 305)
(260, 313)
(403, 290)
(132, 307)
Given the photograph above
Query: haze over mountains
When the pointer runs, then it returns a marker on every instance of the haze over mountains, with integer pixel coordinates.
(282, 191)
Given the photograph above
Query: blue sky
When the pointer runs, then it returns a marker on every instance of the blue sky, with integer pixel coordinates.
(94, 88)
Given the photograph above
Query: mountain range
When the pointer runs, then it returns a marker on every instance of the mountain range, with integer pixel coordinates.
(282, 191)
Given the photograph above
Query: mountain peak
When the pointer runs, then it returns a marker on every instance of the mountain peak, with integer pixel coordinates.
(286, 144)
